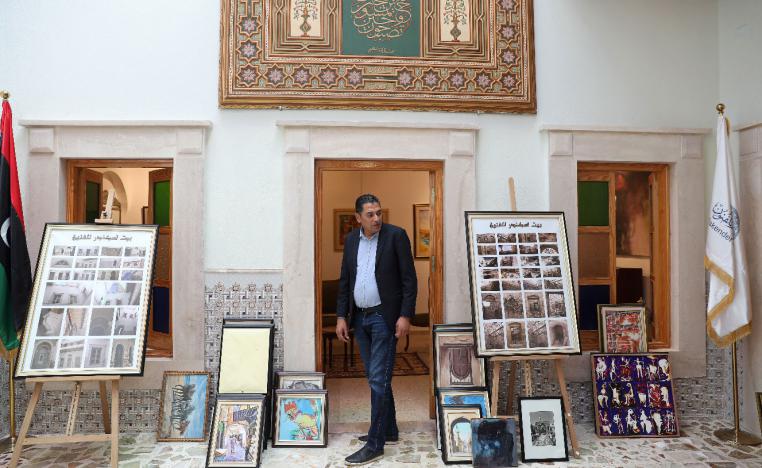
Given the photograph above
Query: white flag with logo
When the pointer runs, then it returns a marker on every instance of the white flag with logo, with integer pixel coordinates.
(729, 309)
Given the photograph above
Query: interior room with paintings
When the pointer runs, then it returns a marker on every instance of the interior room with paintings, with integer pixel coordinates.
(273, 234)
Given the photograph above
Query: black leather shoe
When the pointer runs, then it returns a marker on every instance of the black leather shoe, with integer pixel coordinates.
(388, 441)
(364, 456)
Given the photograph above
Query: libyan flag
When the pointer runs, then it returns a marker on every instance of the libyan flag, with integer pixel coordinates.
(15, 270)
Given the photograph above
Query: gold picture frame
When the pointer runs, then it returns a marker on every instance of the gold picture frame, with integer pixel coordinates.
(185, 397)
(248, 416)
(422, 230)
(88, 311)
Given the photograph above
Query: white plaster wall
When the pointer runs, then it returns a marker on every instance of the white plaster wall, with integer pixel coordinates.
(643, 63)
(397, 190)
(135, 182)
(740, 86)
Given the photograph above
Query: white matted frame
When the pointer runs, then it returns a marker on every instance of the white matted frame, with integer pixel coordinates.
(522, 292)
(88, 313)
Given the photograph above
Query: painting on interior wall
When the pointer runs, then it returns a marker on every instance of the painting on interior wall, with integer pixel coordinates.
(422, 230)
(633, 213)
(455, 55)
(89, 306)
(344, 221)
(522, 296)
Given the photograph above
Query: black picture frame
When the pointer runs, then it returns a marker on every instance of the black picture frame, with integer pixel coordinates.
(278, 395)
(523, 403)
(501, 219)
(232, 398)
(442, 409)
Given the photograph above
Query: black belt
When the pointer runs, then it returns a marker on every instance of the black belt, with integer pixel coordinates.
(370, 310)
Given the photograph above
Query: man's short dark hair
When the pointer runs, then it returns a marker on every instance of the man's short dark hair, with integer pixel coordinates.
(365, 198)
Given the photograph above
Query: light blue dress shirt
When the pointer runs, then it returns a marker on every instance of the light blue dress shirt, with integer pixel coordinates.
(366, 290)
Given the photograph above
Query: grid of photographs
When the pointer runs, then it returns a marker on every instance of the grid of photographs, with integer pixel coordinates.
(90, 299)
(521, 286)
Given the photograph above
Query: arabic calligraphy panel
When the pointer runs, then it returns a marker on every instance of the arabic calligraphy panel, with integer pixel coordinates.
(457, 55)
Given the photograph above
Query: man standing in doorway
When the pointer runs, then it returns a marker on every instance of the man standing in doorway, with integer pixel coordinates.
(377, 291)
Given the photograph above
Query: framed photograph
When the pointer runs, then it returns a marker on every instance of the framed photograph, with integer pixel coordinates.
(633, 395)
(543, 432)
(288, 380)
(344, 221)
(422, 230)
(494, 443)
(246, 357)
(522, 294)
(622, 328)
(84, 317)
(456, 431)
(235, 438)
(300, 418)
(456, 363)
(183, 410)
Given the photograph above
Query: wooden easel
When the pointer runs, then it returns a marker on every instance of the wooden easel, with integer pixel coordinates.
(525, 360)
(111, 427)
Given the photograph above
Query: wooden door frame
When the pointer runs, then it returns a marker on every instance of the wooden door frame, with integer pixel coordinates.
(435, 169)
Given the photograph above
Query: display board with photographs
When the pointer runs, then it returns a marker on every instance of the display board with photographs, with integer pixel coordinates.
(623, 328)
(633, 395)
(543, 433)
(236, 435)
(89, 305)
(455, 361)
(521, 283)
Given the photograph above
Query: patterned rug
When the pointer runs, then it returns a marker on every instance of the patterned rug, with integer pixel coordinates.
(404, 364)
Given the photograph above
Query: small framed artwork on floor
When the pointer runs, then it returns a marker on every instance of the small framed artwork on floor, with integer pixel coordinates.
(623, 328)
(183, 411)
(456, 363)
(543, 432)
(300, 418)
(235, 439)
(291, 380)
(493, 442)
(456, 431)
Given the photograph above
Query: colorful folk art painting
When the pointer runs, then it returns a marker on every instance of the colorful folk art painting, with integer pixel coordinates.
(633, 395)
(301, 420)
(457, 55)
(235, 435)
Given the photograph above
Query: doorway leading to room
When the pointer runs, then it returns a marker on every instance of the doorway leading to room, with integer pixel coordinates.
(410, 193)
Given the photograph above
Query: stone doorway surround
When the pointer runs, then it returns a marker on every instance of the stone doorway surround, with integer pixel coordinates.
(682, 150)
(51, 142)
(306, 141)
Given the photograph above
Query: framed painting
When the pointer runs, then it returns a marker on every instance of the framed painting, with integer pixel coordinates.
(422, 230)
(633, 395)
(623, 328)
(235, 438)
(493, 442)
(246, 357)
(183, 410)
(522, 295)
(300, 418)
(543, 433)
(290, 380)
(89, 304)
(455, 360)
(462, 396)
(344, 222)
(456, 431)
(452, 55)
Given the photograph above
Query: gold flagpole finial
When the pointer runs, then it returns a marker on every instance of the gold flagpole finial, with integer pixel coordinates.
(5, 95)
(720, 108)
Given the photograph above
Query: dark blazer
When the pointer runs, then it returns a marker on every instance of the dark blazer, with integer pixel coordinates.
(395, 275)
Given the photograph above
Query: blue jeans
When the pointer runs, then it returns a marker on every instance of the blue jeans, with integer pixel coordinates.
(378, 345)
